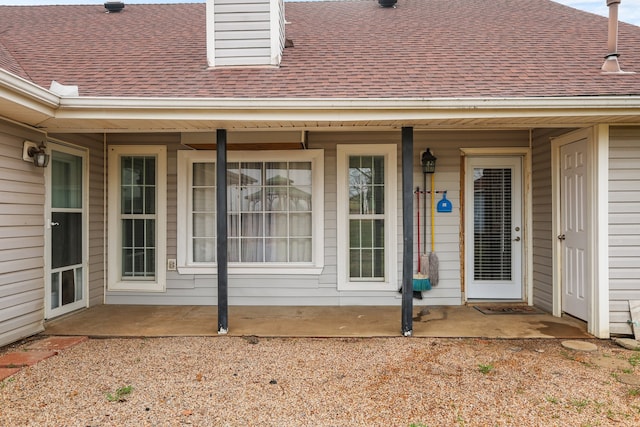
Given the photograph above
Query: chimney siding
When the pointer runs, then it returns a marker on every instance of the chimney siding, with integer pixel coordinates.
(244, 32)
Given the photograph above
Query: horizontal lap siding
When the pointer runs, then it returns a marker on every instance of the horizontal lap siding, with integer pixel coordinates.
(322, 289)
(242, 33)
(542, 215)
(96, 194)
(21, 238)
(624, 225)
(449, 244)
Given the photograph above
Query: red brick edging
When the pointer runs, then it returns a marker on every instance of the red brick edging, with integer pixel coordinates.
(34, 352)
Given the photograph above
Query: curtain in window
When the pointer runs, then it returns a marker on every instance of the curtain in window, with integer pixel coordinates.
(269, 212)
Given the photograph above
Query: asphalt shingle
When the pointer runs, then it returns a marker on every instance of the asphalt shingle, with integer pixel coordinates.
(343, 49)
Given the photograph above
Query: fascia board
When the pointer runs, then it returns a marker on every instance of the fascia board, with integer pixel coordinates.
(24, 89)
(342, 109)
(350, 103)
(25, 101)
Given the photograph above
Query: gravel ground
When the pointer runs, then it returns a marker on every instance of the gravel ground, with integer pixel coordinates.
(234, 381)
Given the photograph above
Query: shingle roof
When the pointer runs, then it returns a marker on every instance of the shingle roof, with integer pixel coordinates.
(343, 49)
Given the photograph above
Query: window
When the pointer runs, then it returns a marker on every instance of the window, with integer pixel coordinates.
(137, 218)
(367, 217)
(274, 211)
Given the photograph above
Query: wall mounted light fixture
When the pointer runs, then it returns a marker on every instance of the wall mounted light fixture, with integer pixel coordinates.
(428, 162)
(37, 154)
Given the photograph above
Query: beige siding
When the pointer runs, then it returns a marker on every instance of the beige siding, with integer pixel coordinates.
(21, 238)
(624, 225)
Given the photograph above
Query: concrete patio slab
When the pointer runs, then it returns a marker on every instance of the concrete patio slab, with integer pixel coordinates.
(310, 321)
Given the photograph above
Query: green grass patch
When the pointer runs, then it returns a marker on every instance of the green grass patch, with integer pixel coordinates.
(119, 394)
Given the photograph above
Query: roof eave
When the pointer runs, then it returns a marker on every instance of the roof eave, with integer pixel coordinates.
(198, 114)
(24, 101)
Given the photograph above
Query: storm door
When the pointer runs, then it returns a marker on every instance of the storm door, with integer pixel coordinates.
(66, 288)
(493, 228)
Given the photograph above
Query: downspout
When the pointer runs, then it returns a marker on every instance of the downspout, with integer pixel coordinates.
(407, 231)
(221, 207)
(611, 64)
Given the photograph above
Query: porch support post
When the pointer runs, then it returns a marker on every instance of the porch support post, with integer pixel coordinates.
(407, 231)
(221, 227)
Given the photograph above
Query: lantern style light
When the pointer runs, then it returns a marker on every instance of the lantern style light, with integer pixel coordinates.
(32, 152)
(428, 162)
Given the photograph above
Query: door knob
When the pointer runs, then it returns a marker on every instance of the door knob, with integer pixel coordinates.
(561, 237)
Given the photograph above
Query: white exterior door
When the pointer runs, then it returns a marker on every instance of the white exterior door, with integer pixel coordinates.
(573, 228)
(493, 228)
(66, 275)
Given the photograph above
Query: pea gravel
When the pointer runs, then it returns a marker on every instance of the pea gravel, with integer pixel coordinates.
(249, 381)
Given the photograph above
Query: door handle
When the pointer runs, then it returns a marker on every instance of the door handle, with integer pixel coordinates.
(561, 237)
(517, 239)
(54, 224)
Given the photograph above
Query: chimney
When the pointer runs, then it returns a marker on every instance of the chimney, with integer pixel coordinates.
(611, 64)
(245, 32)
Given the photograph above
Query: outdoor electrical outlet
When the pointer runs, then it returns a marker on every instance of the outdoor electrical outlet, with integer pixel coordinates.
(171, 265)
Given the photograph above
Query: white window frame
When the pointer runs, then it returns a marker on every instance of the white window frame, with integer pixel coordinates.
(389, 151)
(115, 281)
(186, 158)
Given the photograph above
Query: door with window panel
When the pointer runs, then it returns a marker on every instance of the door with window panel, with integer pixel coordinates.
(493, 228)
(67, 269)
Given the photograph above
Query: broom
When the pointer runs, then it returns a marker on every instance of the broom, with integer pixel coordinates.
(420, 281)
(433, 258)
(424, 257)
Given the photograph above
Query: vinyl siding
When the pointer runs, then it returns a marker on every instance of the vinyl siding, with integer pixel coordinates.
(243, 32)
(624, 225)
(321, 289)
(21, 238)
(542, 215)
(449, 238)
(96, 165)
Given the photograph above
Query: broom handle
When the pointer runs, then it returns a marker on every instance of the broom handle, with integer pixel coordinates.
(418, 215)
(433, 215)
(424, 231)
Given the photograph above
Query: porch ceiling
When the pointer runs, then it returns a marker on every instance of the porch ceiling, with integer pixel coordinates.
(200, 125)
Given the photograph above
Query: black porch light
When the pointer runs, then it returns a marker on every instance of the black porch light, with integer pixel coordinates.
(428, 162)
(32, 152)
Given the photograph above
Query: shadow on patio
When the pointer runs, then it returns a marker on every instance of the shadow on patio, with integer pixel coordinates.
(308, 321)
